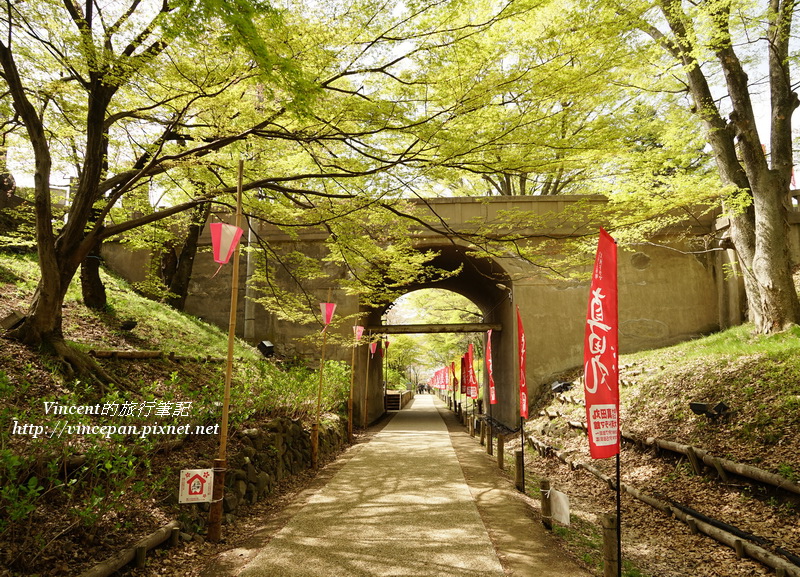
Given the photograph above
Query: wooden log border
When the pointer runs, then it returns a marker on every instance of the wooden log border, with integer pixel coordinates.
(109, 566)
(149, 355)
(697, 456)
(742, 547)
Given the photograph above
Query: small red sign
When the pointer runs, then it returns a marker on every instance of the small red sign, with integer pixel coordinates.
(196, 486)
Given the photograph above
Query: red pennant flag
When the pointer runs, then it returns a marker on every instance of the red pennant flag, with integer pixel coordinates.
(358, 331)
(372, 347)
(489, 371)
(327, 310)
(601, 353)
(224, 238)
(523, 383)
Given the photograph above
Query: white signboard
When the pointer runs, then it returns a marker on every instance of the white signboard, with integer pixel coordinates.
(196, 486)
(559, 506)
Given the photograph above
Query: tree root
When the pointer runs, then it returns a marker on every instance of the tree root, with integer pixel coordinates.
(72, 363)
(75, 363)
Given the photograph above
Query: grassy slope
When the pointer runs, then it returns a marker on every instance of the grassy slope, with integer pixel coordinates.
(125, 488)
(756, 376)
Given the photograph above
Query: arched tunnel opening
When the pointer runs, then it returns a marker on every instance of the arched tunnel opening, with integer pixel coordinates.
(481, 282)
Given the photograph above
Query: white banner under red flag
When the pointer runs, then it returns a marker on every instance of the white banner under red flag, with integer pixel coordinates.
(489, 369)
(601, 353)
(523, 382)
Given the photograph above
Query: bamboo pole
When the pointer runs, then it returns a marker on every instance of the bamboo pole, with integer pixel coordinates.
(364, 417)
(221, 463)
(352, 383)
(315, 426)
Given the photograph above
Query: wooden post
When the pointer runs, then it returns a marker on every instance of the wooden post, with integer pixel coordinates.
(174, 537)
(738, 546)
(483, 433)
(214, 532)
(519, 471)
(314, 445)
(350, 399)
(364, 418)
(141, 557)
(610, 557)
(697, 467)
(547, 515)
(501, 441)
(489, 441)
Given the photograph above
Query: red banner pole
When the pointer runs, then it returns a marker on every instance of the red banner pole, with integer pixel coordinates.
(601, 369)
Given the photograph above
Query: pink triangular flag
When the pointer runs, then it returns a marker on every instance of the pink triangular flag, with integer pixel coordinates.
(224, 238)
(327, 311)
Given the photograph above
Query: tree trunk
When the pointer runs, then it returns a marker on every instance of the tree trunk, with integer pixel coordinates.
(743, 235)
(759, 231)
(92, 287)
(179, 284)
(779, 305)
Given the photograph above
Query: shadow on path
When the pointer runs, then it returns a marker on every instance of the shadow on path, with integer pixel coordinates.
(400, 505)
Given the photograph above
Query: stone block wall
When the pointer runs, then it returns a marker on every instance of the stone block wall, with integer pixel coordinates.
(264, 457)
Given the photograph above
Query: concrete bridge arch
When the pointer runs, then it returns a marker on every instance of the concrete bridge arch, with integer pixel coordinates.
(667, 294)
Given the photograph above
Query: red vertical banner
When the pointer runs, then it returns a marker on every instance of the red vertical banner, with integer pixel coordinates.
(523, 383)
(489, 369)
(472, 384)
(601, 353)
(455, 377)
(463, 374)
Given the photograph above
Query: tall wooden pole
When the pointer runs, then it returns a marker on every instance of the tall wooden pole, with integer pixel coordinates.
(352, 383)
(315, 425)
(364, 416)
(221, 462)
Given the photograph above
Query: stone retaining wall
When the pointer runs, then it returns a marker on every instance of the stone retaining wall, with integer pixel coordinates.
(266, 456)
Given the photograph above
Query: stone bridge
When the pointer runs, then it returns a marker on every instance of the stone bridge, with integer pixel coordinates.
(667, 294)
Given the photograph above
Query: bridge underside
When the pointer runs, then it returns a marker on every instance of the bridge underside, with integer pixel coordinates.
(486, 284)
(434, 328)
